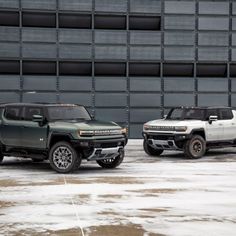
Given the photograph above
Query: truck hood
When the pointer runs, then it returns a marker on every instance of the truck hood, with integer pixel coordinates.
(85, 125)
(163, 122)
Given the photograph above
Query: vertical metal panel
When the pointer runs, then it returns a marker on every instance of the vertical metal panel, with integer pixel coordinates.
(9, 50)
(7, 97)
(180, 7)
(144, 115)
(213, 99)
(145, 53)
(30, 50)
(40, 97)
(38, 35)
(75, 83)
(75, 51)
(147, 6)
(148, 84)
(110, 36)
(75, 36)
(234, 23)
(213, 8)
(145, 37)
(234, 8)
(75, 5)
(212, 84)
(117, 115)
(213, 38)
(233, 84)
(37, 83)
(9, 82)
(177, 99)
(110, 52)
(178, 84)
(233, 100)
(135, 131)
(179, 38)
(213, 23)
(233, 39)
(110, 84)
(9, 3)
(179, 22)
(145, 100)
(111, 6)
(76, 98)
(213, 54)
(39, 4)
(110, 100)
(179, 53)
(233, 52)
(9, 34)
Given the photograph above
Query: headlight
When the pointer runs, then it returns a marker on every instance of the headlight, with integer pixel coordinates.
(124, 131)
(181, 128)
(146, 127)
(86, 132)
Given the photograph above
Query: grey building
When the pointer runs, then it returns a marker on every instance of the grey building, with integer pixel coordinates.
(125, 60)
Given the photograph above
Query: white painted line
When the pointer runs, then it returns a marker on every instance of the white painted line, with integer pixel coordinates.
(75, 209)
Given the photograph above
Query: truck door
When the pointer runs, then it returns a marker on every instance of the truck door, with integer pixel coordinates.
(33, 135)
(11, 126)
(215, 129)
(228, 123)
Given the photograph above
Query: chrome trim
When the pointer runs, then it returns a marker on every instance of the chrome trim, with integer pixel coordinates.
(105, 153)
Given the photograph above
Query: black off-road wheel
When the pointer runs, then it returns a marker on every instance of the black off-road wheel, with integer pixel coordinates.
(64, 158)
(195, 147)
(150, 150)
(112, 162)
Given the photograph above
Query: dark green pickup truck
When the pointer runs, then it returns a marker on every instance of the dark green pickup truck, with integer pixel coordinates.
(64, 134)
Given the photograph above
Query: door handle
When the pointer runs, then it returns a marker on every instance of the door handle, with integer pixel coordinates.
(220, 124)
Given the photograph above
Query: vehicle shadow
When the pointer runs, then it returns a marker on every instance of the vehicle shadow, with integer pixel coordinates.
(214, 154)
(27, 164)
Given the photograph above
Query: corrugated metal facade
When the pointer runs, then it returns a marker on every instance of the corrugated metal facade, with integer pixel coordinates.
(126, 60)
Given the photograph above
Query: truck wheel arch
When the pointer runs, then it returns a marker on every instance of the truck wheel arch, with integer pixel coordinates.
(58, 137)
(200, 132)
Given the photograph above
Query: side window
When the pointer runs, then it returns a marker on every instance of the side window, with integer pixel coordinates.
(13, 113)
(211, 112)
(225, 114)
(31, 111)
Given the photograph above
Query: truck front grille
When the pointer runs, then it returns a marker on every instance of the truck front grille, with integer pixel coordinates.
(105, 145)
(161, 137)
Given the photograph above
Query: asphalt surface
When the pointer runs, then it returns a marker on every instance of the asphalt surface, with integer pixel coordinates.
(170, 195)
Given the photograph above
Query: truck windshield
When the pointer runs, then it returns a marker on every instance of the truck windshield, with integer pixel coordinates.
(186, 114)
(68, 113)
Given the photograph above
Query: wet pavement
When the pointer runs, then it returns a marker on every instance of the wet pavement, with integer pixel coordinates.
(170, 195)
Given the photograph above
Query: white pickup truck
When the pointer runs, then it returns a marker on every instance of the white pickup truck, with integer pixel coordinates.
(193, 130)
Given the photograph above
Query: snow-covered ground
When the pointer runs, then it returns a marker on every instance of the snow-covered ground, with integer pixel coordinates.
(144, 196)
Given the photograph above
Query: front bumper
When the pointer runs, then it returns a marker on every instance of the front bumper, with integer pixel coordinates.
(165, 141)
(105, 153)
(100, 149)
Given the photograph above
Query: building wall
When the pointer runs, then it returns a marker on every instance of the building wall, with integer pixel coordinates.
(125, 60)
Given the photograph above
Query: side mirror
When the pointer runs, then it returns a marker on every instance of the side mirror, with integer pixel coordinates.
(212, 118)
(39, 119)
(164, 117)
(92, 116)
